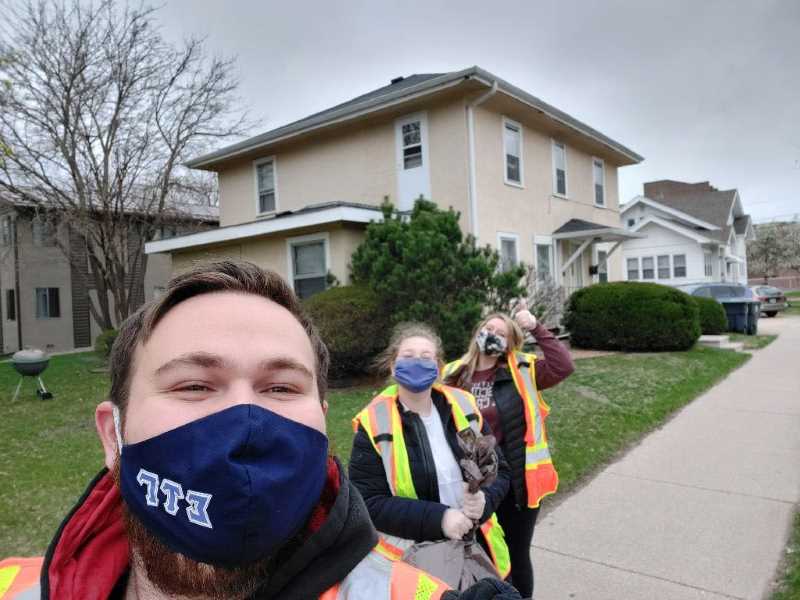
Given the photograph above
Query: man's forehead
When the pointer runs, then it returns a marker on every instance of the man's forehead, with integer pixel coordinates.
(210, 322)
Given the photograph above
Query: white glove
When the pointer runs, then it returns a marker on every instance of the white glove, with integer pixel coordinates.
(523, 316)
(455, 525)
(473, 504)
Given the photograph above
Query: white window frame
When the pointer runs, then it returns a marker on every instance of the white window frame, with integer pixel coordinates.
(669, 267)
(422, 117)
(256, 164)
(518, 127)
(557, 144)
(594, 183)
(508, 236)
(545, 240)
(628, 269)
(708, 264)
(685, 267)
(597, 260)
(299, 240)
(653, 268)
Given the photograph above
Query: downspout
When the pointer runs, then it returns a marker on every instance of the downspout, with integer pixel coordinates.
(472, 183)
(16, 282)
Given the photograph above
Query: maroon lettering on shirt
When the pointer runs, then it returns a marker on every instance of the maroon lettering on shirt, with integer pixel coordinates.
(482, 388)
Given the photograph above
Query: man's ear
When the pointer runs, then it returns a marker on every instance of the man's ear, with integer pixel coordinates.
(325, 408)
(104, 421)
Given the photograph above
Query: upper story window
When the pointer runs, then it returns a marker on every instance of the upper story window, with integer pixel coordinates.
(265, 186)
(599, 176)
(411, 144)
(631, 222)
(509, 257)
(512, 149)
(42, 232)
(559, 169)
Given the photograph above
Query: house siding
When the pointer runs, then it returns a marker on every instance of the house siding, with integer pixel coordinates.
(661, 241)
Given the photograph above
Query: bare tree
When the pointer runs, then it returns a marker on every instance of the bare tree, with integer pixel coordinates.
(97, 117)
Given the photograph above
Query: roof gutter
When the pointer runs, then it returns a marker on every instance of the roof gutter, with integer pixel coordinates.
(472, 181)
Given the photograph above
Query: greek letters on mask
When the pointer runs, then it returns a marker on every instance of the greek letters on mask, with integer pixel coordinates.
(197, 509)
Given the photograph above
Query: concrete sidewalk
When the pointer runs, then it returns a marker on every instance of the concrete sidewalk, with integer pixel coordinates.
(701, 508)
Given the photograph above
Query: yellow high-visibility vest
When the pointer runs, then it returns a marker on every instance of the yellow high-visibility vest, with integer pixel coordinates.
(381, 420)
(541, 478)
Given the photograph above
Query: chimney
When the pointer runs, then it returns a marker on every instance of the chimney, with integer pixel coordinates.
(397, 80)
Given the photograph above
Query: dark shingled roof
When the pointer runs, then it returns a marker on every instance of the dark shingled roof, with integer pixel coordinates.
(574, 225)
(396, 92)
(740, 224)
(711, 207)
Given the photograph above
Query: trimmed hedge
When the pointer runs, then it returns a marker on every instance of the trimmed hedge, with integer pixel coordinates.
(104, 341)
(712, 316)
(352, 325)
(632, 316)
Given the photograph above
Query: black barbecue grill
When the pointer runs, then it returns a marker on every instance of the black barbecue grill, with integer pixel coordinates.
(31, 363)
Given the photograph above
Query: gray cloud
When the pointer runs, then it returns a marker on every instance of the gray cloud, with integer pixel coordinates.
(704, 90)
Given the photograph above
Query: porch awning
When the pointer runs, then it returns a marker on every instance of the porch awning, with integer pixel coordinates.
(579, 230)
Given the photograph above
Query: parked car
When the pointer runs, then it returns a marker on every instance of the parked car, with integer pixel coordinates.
(741, 306)
(773, 300)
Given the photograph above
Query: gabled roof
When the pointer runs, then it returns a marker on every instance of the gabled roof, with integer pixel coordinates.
(668, 210)
(403, 90)
(702, 237)
(740, 224)
(711, 206)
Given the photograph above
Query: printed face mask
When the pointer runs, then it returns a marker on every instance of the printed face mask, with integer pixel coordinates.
(226, 489)
(416, 374)
(491, 344)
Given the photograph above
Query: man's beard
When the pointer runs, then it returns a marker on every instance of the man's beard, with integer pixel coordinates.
(176, 574)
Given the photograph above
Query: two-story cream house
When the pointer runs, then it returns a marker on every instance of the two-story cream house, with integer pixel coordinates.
(528, 179)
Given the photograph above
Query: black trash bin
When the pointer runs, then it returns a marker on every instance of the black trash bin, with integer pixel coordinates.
(742, 314)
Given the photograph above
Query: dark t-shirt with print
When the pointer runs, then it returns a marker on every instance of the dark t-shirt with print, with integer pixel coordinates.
(481, 388)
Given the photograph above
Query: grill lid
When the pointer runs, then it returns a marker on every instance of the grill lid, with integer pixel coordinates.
(29, 356)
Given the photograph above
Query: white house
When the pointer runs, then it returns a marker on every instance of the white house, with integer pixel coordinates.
(693, 233)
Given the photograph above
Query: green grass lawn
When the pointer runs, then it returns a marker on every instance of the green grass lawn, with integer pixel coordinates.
(50, 450)
(752, 342)
(789, 586)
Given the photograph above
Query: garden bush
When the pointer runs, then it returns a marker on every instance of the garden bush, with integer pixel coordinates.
(104, 341)
(352, 325)
(631, 316)
(712, 316)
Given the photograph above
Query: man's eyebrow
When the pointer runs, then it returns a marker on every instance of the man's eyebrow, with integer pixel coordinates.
(285, 363)
(193, 359)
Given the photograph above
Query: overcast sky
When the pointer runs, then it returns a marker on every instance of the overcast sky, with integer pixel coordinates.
(703, 89)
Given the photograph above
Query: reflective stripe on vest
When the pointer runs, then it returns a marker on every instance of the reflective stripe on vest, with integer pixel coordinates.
(19, 578)
(541, 478)
(379, 578)
(381, 419)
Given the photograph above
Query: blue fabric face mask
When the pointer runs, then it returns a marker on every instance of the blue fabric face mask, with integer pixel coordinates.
(416, 374)
(227, 489)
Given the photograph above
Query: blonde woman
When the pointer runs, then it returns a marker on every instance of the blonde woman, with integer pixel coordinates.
(405, 453)
(505, 383)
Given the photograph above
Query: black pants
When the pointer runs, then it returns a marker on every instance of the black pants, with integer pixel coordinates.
(518, 526)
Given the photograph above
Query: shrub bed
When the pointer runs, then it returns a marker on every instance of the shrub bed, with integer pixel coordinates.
(632, 316)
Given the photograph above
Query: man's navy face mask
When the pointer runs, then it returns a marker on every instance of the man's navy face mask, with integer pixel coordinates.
(416, 374)
(227, 489)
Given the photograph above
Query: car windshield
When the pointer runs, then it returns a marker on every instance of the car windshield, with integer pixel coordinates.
(768, 290)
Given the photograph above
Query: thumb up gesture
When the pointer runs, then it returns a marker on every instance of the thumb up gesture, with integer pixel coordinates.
(523, 316)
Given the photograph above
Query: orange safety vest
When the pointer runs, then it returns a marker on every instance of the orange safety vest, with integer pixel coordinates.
(20, 575)
(541, 478)
(381, 420)
(376, 577)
